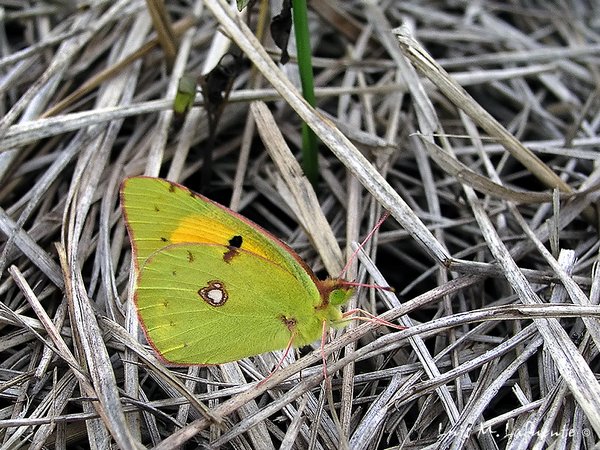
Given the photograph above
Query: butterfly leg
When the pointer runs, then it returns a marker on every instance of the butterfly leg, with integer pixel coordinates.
(323, 355)
(280, 362)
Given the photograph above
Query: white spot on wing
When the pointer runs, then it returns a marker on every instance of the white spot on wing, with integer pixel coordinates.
(214, 293)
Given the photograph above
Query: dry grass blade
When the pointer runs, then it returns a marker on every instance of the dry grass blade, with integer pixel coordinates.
(163, 27)
(330, 135)
(474, 124)
(569, 362)
(481, 184)
(97, 80)
(108, 413)
(430, 68)
(306, 205)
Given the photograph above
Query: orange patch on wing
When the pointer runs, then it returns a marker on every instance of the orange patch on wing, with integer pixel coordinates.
(204, 230)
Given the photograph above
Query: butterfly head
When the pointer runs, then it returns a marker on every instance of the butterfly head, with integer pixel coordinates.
(335, 292)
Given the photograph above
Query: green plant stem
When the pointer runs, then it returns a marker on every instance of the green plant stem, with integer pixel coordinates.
(309, 139)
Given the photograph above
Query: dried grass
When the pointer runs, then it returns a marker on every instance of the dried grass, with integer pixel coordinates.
(473, 124)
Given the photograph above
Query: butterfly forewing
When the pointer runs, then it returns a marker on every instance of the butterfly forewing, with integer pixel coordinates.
(161, 213)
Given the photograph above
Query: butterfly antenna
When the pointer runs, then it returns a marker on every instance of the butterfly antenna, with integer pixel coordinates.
(365, 240)
(370, 286)
(371, 318)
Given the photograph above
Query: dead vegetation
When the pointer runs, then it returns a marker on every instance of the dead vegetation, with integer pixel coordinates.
(473, 123)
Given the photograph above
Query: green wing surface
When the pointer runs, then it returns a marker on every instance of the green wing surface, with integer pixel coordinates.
(198, 307)
(159, 213)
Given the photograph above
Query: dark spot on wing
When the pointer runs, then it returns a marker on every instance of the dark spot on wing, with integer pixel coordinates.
(232, 249)
(236, 241)
(230, 254)
(289, 322)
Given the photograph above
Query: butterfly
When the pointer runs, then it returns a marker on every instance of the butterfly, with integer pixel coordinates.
(214, 287)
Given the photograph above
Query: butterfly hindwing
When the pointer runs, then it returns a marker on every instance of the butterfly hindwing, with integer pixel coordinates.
(198, 306)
